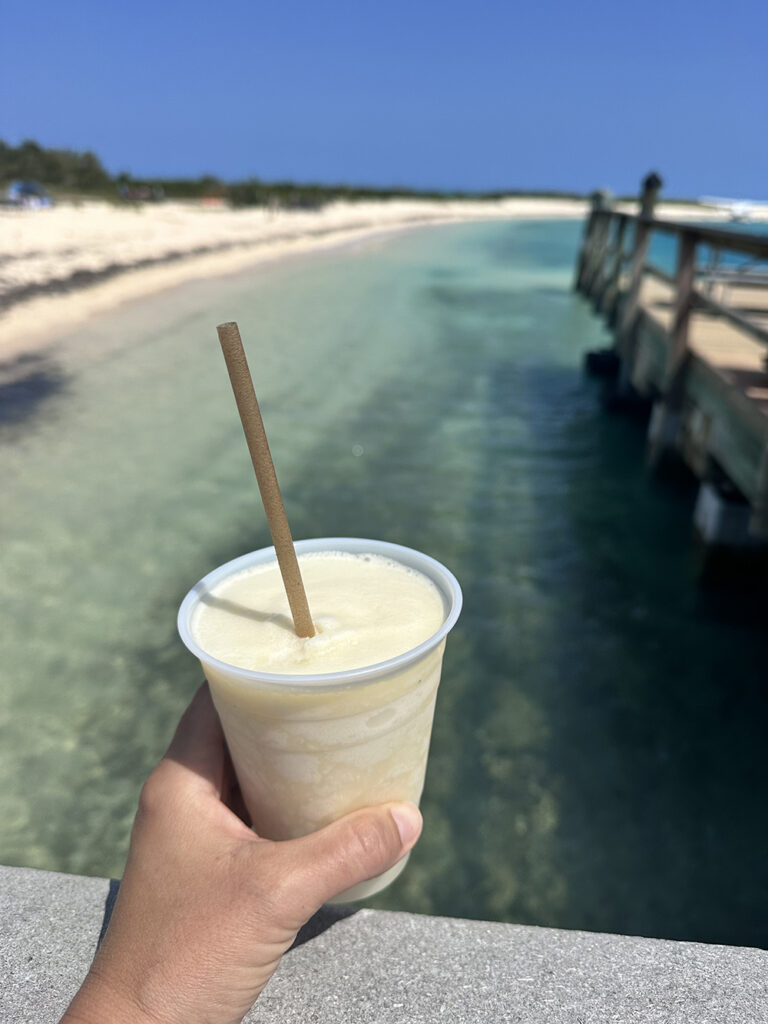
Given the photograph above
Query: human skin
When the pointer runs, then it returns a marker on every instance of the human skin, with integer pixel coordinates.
(207, 908)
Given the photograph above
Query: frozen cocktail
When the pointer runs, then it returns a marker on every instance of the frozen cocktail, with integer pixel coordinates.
(320, 726)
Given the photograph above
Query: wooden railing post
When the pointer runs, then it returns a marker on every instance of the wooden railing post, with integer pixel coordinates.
(666, 419)
(652, 185)
(677, 354)
(610, 288)
(625, 334)
(591, 232)
(629, 308)
(594, 272)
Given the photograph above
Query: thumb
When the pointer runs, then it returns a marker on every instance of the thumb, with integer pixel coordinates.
(354, 848)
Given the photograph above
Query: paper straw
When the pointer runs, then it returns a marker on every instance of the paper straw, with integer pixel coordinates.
(255, 436)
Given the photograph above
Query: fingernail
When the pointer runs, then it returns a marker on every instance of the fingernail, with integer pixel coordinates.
(408, 821)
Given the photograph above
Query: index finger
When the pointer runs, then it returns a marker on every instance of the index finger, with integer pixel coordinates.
(198, 743)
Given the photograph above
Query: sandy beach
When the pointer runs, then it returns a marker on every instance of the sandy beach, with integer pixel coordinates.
(58, 267)
(61, 266)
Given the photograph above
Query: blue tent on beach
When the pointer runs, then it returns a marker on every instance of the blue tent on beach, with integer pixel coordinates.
(28, 194)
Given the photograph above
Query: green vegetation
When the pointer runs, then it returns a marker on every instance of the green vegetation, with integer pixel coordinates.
(65, 168)
(69, 174)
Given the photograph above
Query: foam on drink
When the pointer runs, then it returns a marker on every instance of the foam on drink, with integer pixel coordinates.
(365, 608)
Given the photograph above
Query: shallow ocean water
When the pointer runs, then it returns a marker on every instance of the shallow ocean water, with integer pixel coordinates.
(597, 759)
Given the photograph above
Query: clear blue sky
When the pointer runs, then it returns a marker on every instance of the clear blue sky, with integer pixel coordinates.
(551, 94)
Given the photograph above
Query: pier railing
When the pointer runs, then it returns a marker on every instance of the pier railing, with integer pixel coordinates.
(607, 256)
(693, 339)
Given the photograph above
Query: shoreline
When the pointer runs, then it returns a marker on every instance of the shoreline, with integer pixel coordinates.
(60, 267)
(69, 264)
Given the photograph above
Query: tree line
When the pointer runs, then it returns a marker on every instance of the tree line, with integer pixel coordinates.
(61, 168)
(67, 171)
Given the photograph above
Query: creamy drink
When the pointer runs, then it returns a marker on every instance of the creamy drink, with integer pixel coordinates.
(321, 726)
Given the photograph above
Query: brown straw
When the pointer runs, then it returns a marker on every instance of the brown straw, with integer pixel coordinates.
(253, 426)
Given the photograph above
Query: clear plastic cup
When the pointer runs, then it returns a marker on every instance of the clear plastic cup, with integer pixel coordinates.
(308, 749)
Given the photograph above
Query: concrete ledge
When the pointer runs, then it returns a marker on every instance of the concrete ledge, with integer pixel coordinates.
(370, 967)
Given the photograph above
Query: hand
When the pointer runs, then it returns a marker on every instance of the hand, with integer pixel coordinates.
(206, 908)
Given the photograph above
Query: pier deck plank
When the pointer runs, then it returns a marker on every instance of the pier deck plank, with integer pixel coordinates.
(740, 361)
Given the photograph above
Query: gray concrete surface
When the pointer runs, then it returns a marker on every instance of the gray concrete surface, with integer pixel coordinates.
(369, 967)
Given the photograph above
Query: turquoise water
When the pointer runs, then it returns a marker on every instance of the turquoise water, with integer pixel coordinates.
(663, 247)
(597, 760)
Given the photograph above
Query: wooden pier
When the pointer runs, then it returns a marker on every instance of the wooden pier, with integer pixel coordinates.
(694, 343)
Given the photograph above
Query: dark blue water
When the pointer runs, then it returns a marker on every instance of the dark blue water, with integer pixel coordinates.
(598, 755)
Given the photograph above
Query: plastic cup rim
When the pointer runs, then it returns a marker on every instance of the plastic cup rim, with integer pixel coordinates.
(430, 567)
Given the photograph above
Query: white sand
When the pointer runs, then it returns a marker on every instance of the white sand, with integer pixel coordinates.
(63, 255)
(78, 261)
